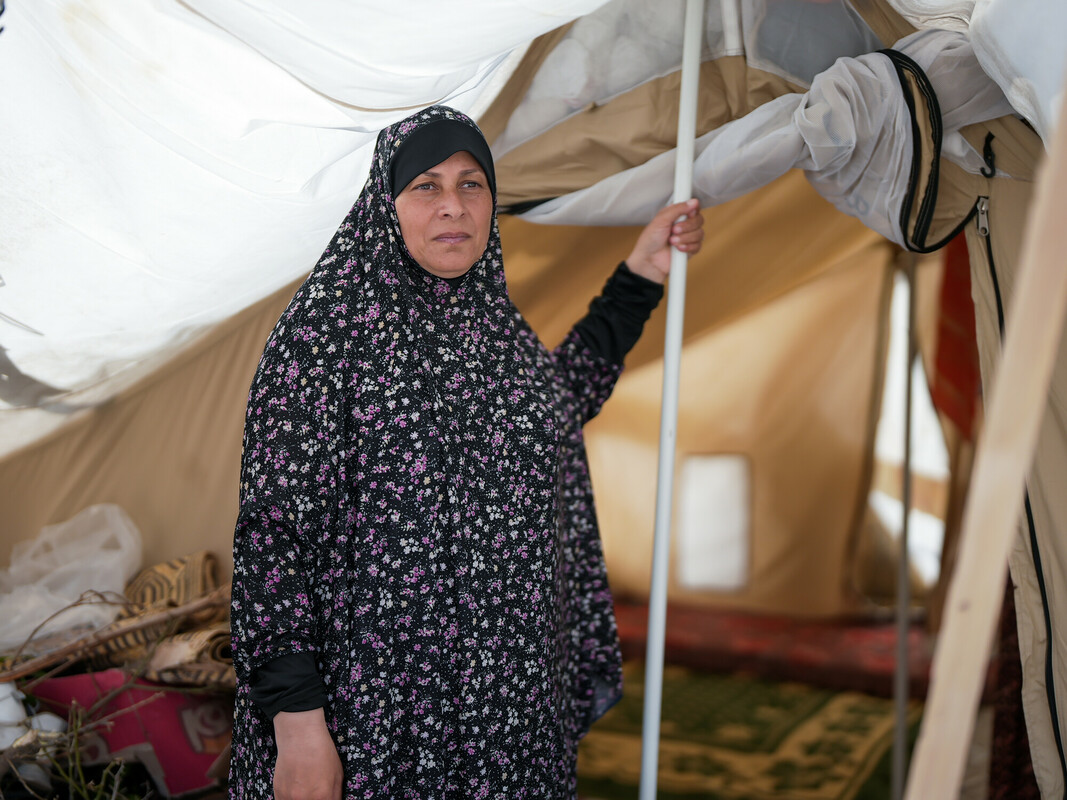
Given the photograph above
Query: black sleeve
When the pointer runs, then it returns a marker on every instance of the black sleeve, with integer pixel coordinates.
(617, 317)
(288, 683)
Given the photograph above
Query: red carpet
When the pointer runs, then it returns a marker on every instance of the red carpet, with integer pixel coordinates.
(843, 655)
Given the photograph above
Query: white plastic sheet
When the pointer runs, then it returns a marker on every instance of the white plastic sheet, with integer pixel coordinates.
(389, 56)
(1019, 43)
(166, 164)
(157, 177)
(99, 549)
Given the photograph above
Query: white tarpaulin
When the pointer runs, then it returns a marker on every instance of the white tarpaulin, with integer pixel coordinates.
(160, 172)
(167, 164)
(1018, 42)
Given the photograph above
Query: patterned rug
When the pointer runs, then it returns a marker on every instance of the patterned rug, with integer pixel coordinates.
(854, 654)
(729, 737)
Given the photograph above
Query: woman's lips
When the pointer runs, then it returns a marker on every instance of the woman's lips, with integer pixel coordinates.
(452, 237)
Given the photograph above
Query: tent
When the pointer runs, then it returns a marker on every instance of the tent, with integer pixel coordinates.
(170, 171)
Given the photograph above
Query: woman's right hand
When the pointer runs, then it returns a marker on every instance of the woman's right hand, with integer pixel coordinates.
(680, 225)
(308, 767)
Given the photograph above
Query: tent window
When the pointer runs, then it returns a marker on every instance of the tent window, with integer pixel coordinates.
(714, 519)
(625, 43)
(798, 39)
(621, 45)
(930, 467)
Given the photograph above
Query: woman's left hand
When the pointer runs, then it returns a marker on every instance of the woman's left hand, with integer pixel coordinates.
(651, 256)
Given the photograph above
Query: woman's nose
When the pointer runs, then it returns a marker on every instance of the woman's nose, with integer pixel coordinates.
(450, 204)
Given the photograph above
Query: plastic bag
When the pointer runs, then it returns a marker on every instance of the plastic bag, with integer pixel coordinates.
(98, 549)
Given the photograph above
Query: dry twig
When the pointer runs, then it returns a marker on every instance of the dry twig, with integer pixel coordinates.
(79, 649)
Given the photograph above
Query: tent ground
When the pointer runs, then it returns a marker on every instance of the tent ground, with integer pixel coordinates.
(728, 737)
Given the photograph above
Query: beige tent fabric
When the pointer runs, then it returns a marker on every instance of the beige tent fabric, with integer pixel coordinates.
(167, 450)
(1008, 202)
(601, 141)
(758, 387)
(756, 248)
(1018, 150)
(772, 313)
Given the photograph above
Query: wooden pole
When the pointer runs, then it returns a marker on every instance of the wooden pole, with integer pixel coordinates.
(1004, 455)
(657, 602)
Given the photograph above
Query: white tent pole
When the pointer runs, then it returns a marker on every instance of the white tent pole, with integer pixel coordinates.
(1003, 458)
(657, 602)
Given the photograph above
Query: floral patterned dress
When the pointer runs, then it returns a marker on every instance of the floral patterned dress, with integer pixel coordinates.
(416, 512)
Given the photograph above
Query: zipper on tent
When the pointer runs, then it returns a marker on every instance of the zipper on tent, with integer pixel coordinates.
(915, 85)
(982, 219)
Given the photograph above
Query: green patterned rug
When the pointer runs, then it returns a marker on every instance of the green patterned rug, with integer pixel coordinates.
(736, 738)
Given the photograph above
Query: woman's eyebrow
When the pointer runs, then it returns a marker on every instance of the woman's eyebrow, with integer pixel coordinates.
(472, 171)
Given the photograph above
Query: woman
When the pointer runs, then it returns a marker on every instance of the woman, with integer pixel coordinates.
(420, 607)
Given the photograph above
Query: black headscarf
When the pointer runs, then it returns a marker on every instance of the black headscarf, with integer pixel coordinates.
(434, 143)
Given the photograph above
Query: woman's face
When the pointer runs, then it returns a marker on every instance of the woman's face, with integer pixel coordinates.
(445, 216)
